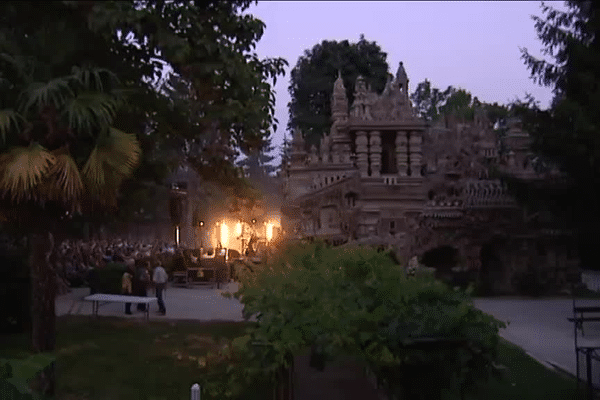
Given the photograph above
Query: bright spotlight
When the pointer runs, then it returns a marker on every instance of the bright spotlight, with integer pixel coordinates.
(224, 235)
(238, 229)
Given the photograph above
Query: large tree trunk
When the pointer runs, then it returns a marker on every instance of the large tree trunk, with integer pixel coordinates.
(43, 284)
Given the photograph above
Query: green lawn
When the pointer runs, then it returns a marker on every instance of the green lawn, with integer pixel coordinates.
(526, 379)
(112, 358)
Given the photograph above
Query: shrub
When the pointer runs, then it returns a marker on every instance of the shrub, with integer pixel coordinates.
(359, 302)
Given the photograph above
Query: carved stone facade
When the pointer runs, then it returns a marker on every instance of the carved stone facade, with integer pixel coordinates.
(385, 177)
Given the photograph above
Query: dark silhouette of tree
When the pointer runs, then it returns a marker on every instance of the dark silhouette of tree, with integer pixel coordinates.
(567, 133)
(312, 79)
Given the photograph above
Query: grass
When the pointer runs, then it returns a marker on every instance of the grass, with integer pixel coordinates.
(527, 379)
(111, 358)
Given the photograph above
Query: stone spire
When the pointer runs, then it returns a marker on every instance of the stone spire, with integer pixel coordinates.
(298, 153)
(339, 103)
(402, 78)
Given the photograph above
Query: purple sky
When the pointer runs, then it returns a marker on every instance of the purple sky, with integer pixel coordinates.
(471, 45)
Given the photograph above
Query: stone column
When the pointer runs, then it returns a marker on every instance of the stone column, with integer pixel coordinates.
(375, 153)
(401, 153)
(415, 153)
(362, 153)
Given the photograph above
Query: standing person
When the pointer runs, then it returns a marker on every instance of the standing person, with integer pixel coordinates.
(160, 278)
(143, 279)
(127, 287)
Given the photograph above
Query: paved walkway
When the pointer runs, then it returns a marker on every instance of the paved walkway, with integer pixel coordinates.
(541, 328)
(194, 303)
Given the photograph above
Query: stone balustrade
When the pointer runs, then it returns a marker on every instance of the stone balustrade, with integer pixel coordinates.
(390, 179)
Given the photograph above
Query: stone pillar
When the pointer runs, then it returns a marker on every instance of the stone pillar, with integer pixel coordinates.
(336, 154)
(401, 153)
(375, 153)
(345, 156)
(415, 153)
(362, 153)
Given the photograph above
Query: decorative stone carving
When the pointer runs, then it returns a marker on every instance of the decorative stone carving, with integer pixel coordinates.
(375, 153)
(314, 156)
(362, 155)
(361, 108)
(402, 153)
(415, 154)
(456, 185)
(339, 103)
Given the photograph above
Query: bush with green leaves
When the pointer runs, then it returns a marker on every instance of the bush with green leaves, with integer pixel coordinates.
(358, 302)
(16, 376)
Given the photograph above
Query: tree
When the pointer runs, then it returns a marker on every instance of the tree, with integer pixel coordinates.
(257, 164)
(458, 102)
(312, 79)
(76, 76)
(427, 101)
(285, 154)
(567, 133)
(432, 103)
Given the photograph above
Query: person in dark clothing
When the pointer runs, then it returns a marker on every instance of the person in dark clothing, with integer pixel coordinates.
(143, 279)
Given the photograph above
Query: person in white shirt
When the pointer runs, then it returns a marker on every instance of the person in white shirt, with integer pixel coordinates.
(160, 277)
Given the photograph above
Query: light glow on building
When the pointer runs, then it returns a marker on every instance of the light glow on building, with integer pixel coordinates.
(238, 229)
(269, 231)
(224, 235)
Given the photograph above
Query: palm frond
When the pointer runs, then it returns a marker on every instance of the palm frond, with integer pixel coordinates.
(63, 182)
(92, 77)
(22, 169)
(114, 158)
(40, 94)
(91, 109)
(9, 118)
(21, 65)
(126, 152)
(93, 171)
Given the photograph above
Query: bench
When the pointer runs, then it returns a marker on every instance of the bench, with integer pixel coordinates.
(118, 298)
(579, 320)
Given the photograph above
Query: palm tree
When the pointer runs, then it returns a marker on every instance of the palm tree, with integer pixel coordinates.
(59, 153)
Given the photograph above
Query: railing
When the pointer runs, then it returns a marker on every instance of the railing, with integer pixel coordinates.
(390, 179)
(589, 355)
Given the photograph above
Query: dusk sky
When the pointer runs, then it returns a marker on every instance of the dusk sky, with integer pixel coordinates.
(471, 45)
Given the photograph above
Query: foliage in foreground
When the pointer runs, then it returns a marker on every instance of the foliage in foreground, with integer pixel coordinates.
(16, 376)
(359, 302)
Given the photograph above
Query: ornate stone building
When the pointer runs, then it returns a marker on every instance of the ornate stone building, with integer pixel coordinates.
(383, 176)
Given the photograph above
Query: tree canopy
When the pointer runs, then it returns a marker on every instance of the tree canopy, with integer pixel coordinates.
(568, 133)
(432, 103)
(188, 72)
(86, 87)
(313, 76)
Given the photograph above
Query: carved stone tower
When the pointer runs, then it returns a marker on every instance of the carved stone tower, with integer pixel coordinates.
(339, 103)
(340, 141)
